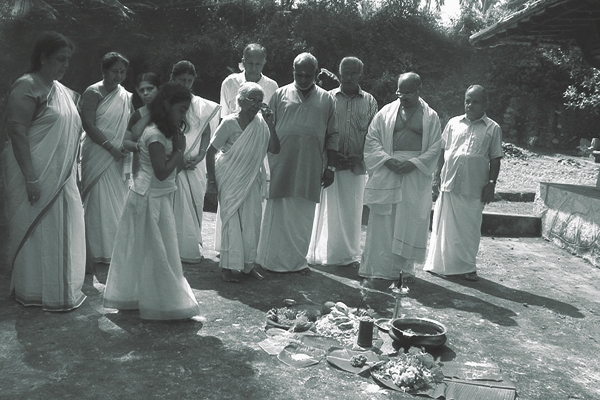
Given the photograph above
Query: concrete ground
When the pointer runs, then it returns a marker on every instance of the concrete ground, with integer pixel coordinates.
(535, 313)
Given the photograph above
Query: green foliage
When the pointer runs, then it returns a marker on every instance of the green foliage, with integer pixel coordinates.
(526, 85)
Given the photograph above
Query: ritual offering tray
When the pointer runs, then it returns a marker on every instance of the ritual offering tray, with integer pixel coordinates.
(417, 332)
(290, 319)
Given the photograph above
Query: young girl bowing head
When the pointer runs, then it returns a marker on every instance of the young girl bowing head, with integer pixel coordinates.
(146, 271)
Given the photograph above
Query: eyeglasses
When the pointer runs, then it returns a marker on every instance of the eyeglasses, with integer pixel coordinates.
(253, 101)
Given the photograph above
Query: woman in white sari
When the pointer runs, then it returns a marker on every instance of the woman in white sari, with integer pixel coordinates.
(146, 272)
(46, 226)
(105, 110)
(201, 118)
(237, 177)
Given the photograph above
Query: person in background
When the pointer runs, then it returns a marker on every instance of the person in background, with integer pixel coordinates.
(401, 153)
(201, 119)
(465, 178)
(146, 271)
(254, 59)
(45, 213)
(147, 85)
(337, 226)
(105, 110)
(305, 123)
(243, 139)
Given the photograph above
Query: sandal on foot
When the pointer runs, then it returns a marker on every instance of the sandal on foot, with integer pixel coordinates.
(472, 276)
(255, 274)
(228, 276)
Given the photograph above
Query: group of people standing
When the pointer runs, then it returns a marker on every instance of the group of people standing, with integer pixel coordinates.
(288, 167)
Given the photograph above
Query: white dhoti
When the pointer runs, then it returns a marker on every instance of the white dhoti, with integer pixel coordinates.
(397, 233)
(285, 236)
(455, 235)
(379, 260)
(337, 225)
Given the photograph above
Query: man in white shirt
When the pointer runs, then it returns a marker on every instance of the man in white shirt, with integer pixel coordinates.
(466, 177)
(254, 59)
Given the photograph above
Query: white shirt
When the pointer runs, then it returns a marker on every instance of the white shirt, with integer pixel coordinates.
(231, 85)
(468, 148)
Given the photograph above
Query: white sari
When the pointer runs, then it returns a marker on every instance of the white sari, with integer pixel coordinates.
(191, 183)
(47, 239)
(240, 180)
(103, 179)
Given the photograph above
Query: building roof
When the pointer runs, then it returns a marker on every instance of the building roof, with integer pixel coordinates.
(549, 23)
(543, 22)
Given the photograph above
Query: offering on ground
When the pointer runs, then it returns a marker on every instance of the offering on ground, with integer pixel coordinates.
(293, 320)
(342, 324)
(412, 371)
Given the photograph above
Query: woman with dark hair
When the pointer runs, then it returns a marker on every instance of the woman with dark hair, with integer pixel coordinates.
(105, 110)
(146, 272)
(46, 242)
(146, 86)
(201, 118)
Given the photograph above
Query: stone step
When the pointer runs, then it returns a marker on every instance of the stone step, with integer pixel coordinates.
(497, 224)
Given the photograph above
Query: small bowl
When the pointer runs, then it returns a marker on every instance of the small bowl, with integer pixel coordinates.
(427, 332)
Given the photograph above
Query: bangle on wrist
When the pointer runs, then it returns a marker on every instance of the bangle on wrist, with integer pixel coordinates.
(34, 181)
(104, 144)
(493, 182)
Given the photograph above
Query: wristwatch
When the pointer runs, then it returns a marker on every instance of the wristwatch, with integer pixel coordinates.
(331, 168)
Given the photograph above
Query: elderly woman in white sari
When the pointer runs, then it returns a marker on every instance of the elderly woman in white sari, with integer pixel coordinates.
(105, 110)
(237, 178)
(201, 119)
(45, 215)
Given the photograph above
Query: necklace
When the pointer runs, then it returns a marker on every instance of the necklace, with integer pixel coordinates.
(405, 120)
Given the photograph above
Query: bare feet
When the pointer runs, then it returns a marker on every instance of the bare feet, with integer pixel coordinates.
(472, 276)
(228, 276)
(305, 271)
(255, 274)
(409, 279)
(354, 264)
